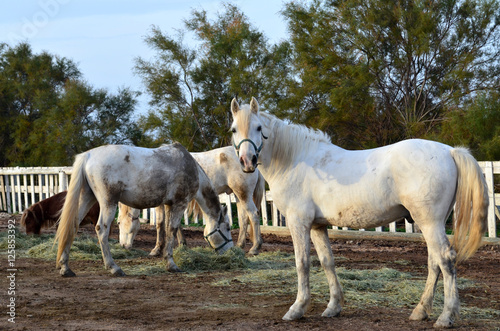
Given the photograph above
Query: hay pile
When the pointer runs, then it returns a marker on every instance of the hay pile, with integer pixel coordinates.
(84, 247)
(275, 273)
(206, 259)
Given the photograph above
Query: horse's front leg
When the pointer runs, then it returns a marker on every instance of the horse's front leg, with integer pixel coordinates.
(248, 212)
(321, 242)
(160, 231)
(243, 224)
(173, 216)
(102, 228)
(255, 231)
(302, 246)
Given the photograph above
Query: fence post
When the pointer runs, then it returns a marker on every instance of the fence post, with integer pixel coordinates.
(32, 187)
(3, 197)
(488, 176)
(18, 189)
(63, 181)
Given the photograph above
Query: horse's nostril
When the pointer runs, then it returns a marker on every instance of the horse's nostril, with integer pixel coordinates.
(242, 162)
(254, 160)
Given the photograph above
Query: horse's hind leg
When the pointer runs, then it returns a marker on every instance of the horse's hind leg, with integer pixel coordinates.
(424, 307)
(441, 258)
(160, 231)
(181, 239)
(321, 242)
(106, 217)
(87, 200)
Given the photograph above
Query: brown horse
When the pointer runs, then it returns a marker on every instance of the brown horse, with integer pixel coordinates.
(45, 214)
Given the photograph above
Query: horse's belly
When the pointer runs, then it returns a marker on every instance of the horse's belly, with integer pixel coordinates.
(361, 218)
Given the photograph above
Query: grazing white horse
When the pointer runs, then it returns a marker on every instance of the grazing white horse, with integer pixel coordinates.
(223, 169)
(315, 184)
(141, 178)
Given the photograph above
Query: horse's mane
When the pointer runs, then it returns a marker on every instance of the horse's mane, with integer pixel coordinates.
(292, 142)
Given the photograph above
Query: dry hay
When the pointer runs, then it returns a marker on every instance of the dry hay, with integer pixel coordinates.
(206, 259)
(275, 273)
(84, 247)
(270, 273)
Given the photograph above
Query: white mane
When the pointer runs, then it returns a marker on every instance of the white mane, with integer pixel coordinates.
(292, 142)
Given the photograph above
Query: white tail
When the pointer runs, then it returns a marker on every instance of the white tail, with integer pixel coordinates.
(68, 222)
(471, 206)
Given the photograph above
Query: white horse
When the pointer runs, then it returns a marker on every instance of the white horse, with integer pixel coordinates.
(223, 168)
(141, 178)
(316, 184)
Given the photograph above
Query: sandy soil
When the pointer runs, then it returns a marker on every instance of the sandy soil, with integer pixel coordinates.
(96, 301)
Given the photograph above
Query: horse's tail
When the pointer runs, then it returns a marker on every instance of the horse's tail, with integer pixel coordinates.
(471, 206)
(258, 193)
(68, 222)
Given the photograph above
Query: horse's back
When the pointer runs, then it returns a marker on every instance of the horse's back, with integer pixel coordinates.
(141, 177)
(218, 165)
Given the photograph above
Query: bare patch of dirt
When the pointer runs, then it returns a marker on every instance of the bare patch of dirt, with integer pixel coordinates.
(94, 300)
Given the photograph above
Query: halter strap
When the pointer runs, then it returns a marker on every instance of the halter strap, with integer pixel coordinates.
(132, 217)
(217, 230)
(257, 149)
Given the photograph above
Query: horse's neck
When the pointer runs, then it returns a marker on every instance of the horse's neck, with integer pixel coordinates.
(206, 196)
(288, 145)
(271, 165)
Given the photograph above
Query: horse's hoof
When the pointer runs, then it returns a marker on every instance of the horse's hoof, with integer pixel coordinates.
(418, 314)
(155, 253)
(443, 324)
(67, 273)
(332, 312)
(292, 316)
(174, 269)
(253, 251)
(118, 273)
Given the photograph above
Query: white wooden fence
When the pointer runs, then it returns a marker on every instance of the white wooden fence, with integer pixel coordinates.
(21, 187)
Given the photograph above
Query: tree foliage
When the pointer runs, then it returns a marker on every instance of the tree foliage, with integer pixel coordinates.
(48, 113)
(369, 73)
(477, 126)
(191, 88)
(375, 72)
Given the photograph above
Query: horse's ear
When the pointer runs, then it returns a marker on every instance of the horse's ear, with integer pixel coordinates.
(234, 106)
(224, 210)
(254, 106)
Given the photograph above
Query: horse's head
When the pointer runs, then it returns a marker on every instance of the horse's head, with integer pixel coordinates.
(247, 133)
(128, 222)
(218, 233)
(30, 222)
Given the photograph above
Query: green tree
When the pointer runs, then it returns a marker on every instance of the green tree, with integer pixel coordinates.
(375, 72)
(477, 126)
(191, 88)
(48, 113)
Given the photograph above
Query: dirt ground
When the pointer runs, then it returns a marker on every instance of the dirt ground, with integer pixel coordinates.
(94, 300)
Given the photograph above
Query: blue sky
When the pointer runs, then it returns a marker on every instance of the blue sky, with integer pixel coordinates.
(104, 37)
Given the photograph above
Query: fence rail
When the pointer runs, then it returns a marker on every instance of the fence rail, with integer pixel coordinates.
(22, 187)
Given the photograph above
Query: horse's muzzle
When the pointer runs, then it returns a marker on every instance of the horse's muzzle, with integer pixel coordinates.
(247, 165)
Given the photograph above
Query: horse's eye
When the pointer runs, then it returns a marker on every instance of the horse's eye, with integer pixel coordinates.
(259, 128)
(233, 130)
